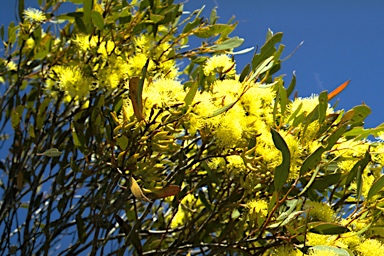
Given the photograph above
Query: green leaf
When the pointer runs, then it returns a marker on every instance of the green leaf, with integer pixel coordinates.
(267, 50)
(80, 25)
(361, 164)
(156, 18)
(282, 97)
(326, 249)
(281, 171)
(315, 157)
(228, 44)
(192, 25)
(360, 133)
(211, 174)
(244, 73)
(213, 16)
(191, 93)
(266, 65)
(292, 206)
(294, 115)
(323, 182)
(291, 217)
(87, 18)
(210, 31)
(323, 106)
(136, 190)
(15, 119)
(45, 49)
(52, 152)
(327, 228)
(359, 183)
(81, 230)
(97, 19)
(205, 202)
(292, 85)
(122, 142)
(376, 187)
(21, 8)
(221, 110)
(361, 112)
(78, 138)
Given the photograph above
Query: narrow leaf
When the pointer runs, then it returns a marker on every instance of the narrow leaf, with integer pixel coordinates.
(376, 187)
(266, 65)
(326, 228)
(221, 110)
(292, 85)
(136, 190)
(97, 19)
(53, 152)
(326, 249)
(228, 44)
(281, 171)
(323, 106)
(81, 229)
(136, 98)
(267, 50)
(191, 93)
(244, 73)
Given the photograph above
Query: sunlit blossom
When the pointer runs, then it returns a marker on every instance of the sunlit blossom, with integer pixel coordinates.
(219, 64)
(34, 15)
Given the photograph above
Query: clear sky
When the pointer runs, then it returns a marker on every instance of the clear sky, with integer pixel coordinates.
(342, 40)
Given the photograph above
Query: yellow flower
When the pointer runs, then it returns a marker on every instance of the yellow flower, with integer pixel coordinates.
(34, 15)
(72, 82)
(258, 206)
(320, 211)
(284, 250)
(236, 162)
(11, 66)
(163, 92)
(230, 130)
(371, 247)
(106, 48)
(317, 239)
(219, 64)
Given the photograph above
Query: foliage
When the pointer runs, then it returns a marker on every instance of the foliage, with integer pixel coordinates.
(125, 139)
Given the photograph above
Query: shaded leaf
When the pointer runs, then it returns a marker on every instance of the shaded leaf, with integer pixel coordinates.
(327, 228)
(323, 106)
(82, 233)
(191, 93)
(167, 191)
(361, 164)
(281, 171)
(135, 95)
(53, 152)
(244, 73)
(97, 20)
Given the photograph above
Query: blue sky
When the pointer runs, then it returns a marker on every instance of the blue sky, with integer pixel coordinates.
(342, 40)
